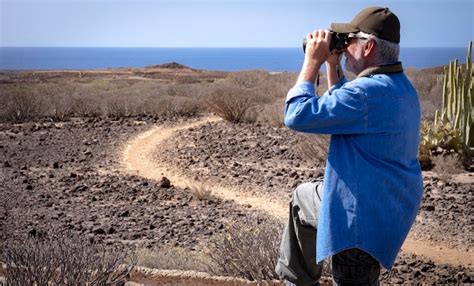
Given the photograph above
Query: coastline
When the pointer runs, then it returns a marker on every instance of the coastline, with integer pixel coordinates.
(211, 59)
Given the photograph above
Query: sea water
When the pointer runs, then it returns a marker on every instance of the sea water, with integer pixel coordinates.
(225, 59)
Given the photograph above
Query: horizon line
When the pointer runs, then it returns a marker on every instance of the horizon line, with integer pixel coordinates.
(198, 47)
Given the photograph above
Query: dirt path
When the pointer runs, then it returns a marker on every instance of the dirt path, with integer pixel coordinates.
(137, 159)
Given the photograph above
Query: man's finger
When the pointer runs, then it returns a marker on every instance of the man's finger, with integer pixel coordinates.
(327, 35)
(322, 34)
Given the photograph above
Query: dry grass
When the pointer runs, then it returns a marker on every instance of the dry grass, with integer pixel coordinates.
(429, 84)
(29, 100)
(171, 258)
(272, 114)
(245, 96)
(201, 191)
(249, 249)
(20, 104)
(229, 102)
(64, 259)
(248, 79)
(313, 148)
(446, 166)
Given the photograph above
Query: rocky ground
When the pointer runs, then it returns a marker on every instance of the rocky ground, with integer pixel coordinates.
(64, 176)
(447, 214)
(268, 160)
(265, 159)
(261, 158)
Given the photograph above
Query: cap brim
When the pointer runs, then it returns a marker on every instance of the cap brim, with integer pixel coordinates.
(344, 28)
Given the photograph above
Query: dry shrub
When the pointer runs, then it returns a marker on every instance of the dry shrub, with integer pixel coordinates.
(180, 89)
(239, 97)
(313, 148)
(251, 116)
(100, 97)
(119, 106)
(21, 104)
(248, 79)
(446, 166)
(187, 79)
(201, 191)
(272, 114)
(170, 106)
(86, 105)
(249, 249)
(60, 107)
(183, 106)
(429, 85)
(64, 260)
(169, 257)
(229, 102)
(57, 100)
(284, 80)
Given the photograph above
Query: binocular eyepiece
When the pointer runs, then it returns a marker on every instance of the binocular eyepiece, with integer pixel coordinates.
(338, 41)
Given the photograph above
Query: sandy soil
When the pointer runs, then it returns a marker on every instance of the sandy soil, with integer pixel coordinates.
(104, 179)
(138, 159)
(65, 177)
(192, 150)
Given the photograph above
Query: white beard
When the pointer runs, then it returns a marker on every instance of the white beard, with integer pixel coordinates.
(358, 65)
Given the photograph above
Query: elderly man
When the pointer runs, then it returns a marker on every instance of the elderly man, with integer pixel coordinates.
(372, 184)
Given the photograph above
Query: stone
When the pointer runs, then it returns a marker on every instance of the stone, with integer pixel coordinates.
(165, 183)
(80, 188)
(125, 214)
(98, 231)
(111, 230)
(429, 208)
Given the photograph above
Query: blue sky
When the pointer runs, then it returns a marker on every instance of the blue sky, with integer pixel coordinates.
(218, 23)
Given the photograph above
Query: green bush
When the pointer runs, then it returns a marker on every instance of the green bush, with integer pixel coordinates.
(439, 138)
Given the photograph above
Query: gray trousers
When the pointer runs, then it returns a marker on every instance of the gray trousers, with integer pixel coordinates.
(297, 261)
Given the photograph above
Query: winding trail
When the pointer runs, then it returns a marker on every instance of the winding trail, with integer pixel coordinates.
(137, 158)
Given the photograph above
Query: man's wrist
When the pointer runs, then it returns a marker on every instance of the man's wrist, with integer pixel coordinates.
(312, 63)
(309, 71)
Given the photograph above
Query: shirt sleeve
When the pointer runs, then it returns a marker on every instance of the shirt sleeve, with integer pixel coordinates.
(341, 110)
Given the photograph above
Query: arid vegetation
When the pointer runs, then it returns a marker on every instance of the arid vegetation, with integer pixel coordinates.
(249, 249)
(59, 132)
(63, 259)
(247, 96)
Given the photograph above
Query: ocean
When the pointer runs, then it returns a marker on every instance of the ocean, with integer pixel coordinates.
(224, 59)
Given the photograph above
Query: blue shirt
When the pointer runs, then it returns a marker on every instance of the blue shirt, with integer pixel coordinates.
(373, 183)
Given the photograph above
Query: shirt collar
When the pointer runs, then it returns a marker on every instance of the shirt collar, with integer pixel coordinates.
(382, 69)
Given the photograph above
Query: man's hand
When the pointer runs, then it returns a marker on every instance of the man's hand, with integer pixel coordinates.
(334, 58)
(317, 46)
(317, 51)
(333, 68)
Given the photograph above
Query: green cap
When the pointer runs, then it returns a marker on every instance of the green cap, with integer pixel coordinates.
(378, 21)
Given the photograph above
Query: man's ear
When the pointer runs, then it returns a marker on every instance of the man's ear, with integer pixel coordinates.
(369, 48)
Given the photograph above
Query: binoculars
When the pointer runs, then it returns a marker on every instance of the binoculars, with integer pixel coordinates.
(338, 41)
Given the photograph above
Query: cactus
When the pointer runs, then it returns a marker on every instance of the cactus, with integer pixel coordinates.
(458, 100)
